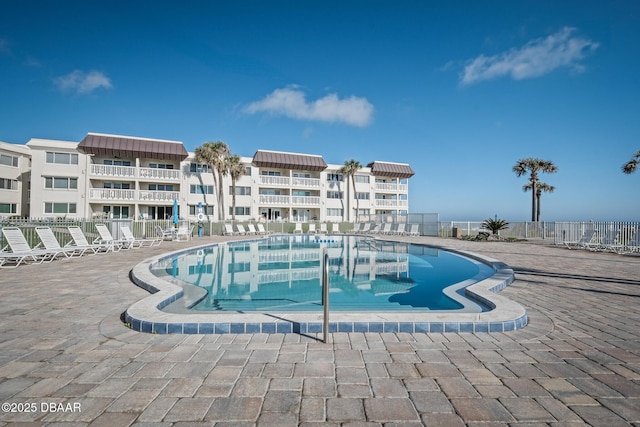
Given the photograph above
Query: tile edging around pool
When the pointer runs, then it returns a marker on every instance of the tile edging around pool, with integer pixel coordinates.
(146, 315)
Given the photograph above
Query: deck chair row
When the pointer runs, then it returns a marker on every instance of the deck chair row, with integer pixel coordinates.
(611, 240)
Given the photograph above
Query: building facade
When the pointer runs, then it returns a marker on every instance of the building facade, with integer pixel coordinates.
(113, 176)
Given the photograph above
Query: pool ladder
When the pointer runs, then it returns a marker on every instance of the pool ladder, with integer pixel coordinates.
(325, 294)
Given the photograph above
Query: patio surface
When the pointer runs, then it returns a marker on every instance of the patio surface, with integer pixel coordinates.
(576, 363)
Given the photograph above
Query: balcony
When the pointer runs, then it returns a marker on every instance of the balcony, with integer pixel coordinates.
(390, 203)
(305, 201)
(305, 182)
(131, 196)
(274, 181)
(130, 173)
(391, 188)
(274, 200)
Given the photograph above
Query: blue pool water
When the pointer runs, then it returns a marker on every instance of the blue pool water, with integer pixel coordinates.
(283, 274)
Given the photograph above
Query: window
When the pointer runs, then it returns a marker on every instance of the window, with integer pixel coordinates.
(362, 178)
(201, 269)
(206, 209)
(8, 208)
(270, 173)
(335, 212)
(301, 175)
(199, 168)
(117, 185)
(247, 171)
(116, 162)
(299, 193)
(334, 194)
(160, 187)
(240, 210)
(364, 211)
(239, 267)
(270, 192)
(335, 177)
(60, 183)
(8, 184)
(62, 158)
(241, 191)
(7, 160)
(201, 189)
(160, 166)
(60, 208)
(362, 196)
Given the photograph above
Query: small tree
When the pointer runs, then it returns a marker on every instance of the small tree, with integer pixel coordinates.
(495, 225)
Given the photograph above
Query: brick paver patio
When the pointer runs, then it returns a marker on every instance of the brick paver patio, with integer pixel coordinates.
(65, 356)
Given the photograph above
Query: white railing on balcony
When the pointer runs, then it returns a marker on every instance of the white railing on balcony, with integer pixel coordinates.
(112, 171)
(112, 194)
(278, 181)
(158, 196)
(305, 200)
(161, 174)
(391, 188)
(389, 203)
(275, 200)
(130, 172)
(305, 182)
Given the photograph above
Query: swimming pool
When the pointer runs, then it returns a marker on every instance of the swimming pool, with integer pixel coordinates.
(282, 274)
(167, 309)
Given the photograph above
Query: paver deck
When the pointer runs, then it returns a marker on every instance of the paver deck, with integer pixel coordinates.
(64, 348)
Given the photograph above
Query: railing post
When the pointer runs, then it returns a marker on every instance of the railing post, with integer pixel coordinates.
(325, 294)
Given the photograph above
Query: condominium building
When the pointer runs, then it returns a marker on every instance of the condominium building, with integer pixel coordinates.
(15, 164)
(114, 176)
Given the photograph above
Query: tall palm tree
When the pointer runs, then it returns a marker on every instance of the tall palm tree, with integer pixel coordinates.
(540, 187)
(632, 164)
(534, 166)
(213, 154)
(235, 169)
(349, 170)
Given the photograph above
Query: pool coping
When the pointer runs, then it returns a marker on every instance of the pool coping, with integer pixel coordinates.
(146, 315)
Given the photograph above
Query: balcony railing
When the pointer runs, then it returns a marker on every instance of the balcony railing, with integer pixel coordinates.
(108, 194)
(389, 203)
(274, 181)
(305, 200)
(305, 182)
(268, 199)
(391, 188)
(130, 172)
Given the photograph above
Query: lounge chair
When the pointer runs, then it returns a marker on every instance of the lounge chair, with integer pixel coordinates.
(335, 228)
(584, 241)
(228, 230)
(169, 232)
(298, 228)
(400, 230)
(633, 245)
(365, 228)
(18, 250)
(262, 230)
(251, 229)
(184, 231)
(608, 242)
(137, 242)
(414, 230)
(79, 240)
(356, 228)
(106, 238)
(241, 229)
(386, 228)
(50, 243)
(323, 228)
(312, 228)
(376, 229)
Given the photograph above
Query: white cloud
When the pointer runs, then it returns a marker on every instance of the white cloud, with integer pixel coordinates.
(83, 83)
(536, 58)
(291, 102)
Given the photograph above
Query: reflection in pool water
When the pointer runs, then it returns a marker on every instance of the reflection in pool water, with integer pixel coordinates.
(283, 274)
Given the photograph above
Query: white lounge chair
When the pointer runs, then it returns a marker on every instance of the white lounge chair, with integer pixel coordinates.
(386, 228)
(298, 228)
(18, 250)
(312, 228)
(365, 228)
(414, 230)
(184, 231)
(323, 227)
(262, 230)
(228, 230)
(400, 230)
(106, 238)
(335, 228)
(584, 241)
(251, 229)
(50, 243)
(241, 229)
(357, 227)
(608, 242)
(376, 229)
(137, 242)
(169, 232)
(633, 245)
(80, 241)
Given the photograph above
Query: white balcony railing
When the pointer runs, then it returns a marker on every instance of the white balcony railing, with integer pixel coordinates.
(305, 201)
(389, 203)
(391, 188)
(130, 172)
(108, 194)
(268, 199)
(305, 182)
(274, 181)
(158, 196)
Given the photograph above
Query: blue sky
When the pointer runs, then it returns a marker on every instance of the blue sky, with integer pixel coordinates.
(459, 90)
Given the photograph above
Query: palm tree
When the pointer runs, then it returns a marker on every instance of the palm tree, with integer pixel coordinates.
(534, 166)
(349, 170)
(213, 154)
(235, 169)
(540, 187)
(632, 164)
(495, 225)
